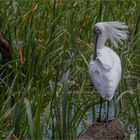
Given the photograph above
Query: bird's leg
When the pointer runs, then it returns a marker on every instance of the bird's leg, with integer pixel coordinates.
(108, 104)
(100, 110)
(107, 115)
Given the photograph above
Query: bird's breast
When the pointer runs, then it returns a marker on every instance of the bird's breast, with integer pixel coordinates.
(105, 73)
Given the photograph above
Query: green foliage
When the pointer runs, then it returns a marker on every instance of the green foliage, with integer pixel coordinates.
(45, 88)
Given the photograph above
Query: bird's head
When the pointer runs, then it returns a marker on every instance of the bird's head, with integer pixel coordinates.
(99, 29)
(116, 32)
(100, 34)
(100, 37)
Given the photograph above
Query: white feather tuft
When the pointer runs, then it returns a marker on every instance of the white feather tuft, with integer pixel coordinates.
(116, 32)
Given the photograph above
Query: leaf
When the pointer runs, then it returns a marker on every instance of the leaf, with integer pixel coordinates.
(29, 115)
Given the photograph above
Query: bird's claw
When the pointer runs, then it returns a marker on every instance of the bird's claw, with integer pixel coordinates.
(99, 119)
(106, 120)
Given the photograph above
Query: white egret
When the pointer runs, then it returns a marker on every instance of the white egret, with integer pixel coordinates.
(105, 66)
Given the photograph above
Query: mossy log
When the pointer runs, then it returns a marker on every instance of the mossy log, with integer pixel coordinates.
(111, 130)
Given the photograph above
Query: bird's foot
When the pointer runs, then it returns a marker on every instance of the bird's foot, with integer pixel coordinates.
(99, 119)
(106, 120)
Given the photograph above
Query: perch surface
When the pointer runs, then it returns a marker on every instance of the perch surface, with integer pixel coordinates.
(112, 130)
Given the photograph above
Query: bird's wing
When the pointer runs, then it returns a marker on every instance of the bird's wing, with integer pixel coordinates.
(95, 73)
(104, 77)
(105, 58)
(106, 63)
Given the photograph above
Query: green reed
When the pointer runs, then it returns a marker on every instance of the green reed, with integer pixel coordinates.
(45, 89)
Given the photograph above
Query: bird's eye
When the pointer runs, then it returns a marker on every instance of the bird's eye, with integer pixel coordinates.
(97, 30)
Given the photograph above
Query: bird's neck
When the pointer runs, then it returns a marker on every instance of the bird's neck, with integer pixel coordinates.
(101, 43)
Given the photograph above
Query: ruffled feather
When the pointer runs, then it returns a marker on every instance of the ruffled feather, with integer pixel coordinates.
(116, 31)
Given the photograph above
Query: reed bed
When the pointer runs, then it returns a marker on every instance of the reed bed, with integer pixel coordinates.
(46, 92)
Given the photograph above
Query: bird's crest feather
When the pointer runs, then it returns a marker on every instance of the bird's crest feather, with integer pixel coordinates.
(116, 32)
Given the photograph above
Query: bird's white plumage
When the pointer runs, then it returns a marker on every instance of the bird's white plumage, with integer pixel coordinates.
(105, 70)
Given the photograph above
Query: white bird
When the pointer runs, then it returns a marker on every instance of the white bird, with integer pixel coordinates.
(105, 66)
